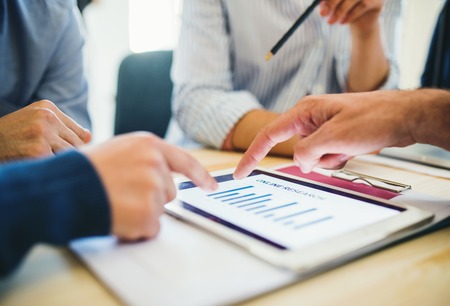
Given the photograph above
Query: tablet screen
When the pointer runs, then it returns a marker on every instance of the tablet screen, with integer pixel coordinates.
(283, 212)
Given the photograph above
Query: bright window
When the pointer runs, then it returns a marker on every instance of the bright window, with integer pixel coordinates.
(153, 24)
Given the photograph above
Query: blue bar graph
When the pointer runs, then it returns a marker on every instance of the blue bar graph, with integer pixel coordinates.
(227, 191)
(295, 214)
(275, 208)
(292, 215)
(248, 204)
(313, 222)
(226, 195)
(251, 199)
(257, 207)
(239, 197)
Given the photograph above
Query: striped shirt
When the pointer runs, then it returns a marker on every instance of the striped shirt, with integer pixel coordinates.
(220, 74)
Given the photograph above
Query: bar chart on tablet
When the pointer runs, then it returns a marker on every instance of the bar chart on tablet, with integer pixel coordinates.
(267, 206)
(281, 211)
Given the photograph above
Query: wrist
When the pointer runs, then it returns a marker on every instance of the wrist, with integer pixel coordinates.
(365, 32)
(227, 144)
(431, 117)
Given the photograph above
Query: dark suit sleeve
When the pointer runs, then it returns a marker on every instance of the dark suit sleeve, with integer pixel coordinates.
(52, 201)
(437, 68)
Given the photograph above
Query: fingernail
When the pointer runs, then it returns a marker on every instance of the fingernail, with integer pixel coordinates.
(324, 9)
(332, 19)
(343, 157)
(212, 186)
(237, 175)
(304, 168)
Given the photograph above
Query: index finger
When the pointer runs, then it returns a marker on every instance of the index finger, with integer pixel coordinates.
(182, 162)
(283, 128)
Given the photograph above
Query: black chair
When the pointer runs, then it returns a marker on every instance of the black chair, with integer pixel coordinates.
(82, 4)
(144, 91)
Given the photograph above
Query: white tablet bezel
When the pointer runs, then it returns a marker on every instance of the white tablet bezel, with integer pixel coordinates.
(312, 256)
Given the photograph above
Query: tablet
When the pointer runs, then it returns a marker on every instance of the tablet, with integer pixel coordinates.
(422, 154)
(292, 222)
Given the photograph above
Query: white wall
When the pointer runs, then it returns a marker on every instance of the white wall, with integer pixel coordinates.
(107, 43)
(107, 23)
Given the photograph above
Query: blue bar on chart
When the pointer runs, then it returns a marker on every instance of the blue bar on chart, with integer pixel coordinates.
(263, 205)
(228, 191)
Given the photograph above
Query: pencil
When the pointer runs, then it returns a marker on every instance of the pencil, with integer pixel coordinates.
(286, 36)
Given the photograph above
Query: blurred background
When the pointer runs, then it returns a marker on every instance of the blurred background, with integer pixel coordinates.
(117, 28)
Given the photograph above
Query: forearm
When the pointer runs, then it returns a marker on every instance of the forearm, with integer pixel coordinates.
(53, 201)
(248, 127)
(369, 66)
(430, 122)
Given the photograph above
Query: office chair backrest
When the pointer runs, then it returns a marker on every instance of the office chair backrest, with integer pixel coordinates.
(144, 91)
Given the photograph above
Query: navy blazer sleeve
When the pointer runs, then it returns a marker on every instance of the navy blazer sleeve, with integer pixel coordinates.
(437, 67)
(52, 201)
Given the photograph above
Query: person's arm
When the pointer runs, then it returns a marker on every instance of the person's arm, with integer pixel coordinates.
(205, 103)
(369, 66)
(365, 67)
(372, 62)
(64, 82)
(334, 128)
(119, 187)
(431, 120)
(52, 201)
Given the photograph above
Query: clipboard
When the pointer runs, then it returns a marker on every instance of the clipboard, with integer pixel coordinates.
(373, 181)
(369, 185)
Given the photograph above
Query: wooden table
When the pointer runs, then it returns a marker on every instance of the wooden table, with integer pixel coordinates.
(416, 272)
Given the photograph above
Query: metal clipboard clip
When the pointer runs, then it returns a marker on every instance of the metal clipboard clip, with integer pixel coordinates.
(370, 180)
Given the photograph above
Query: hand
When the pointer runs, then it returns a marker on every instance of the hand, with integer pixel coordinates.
(37, 130)
(334, 128)
(360, 14)
(136, 172)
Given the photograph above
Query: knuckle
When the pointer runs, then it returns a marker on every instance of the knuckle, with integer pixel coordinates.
(265, 133)
(44, 114)
(306, 99)
(172, 193)
(157, 186)
(45, 104)
(132, 235)
(145, 138)
(155, 160)
(149, 219)
(37, 130)
(153, 228)
(190, 163)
